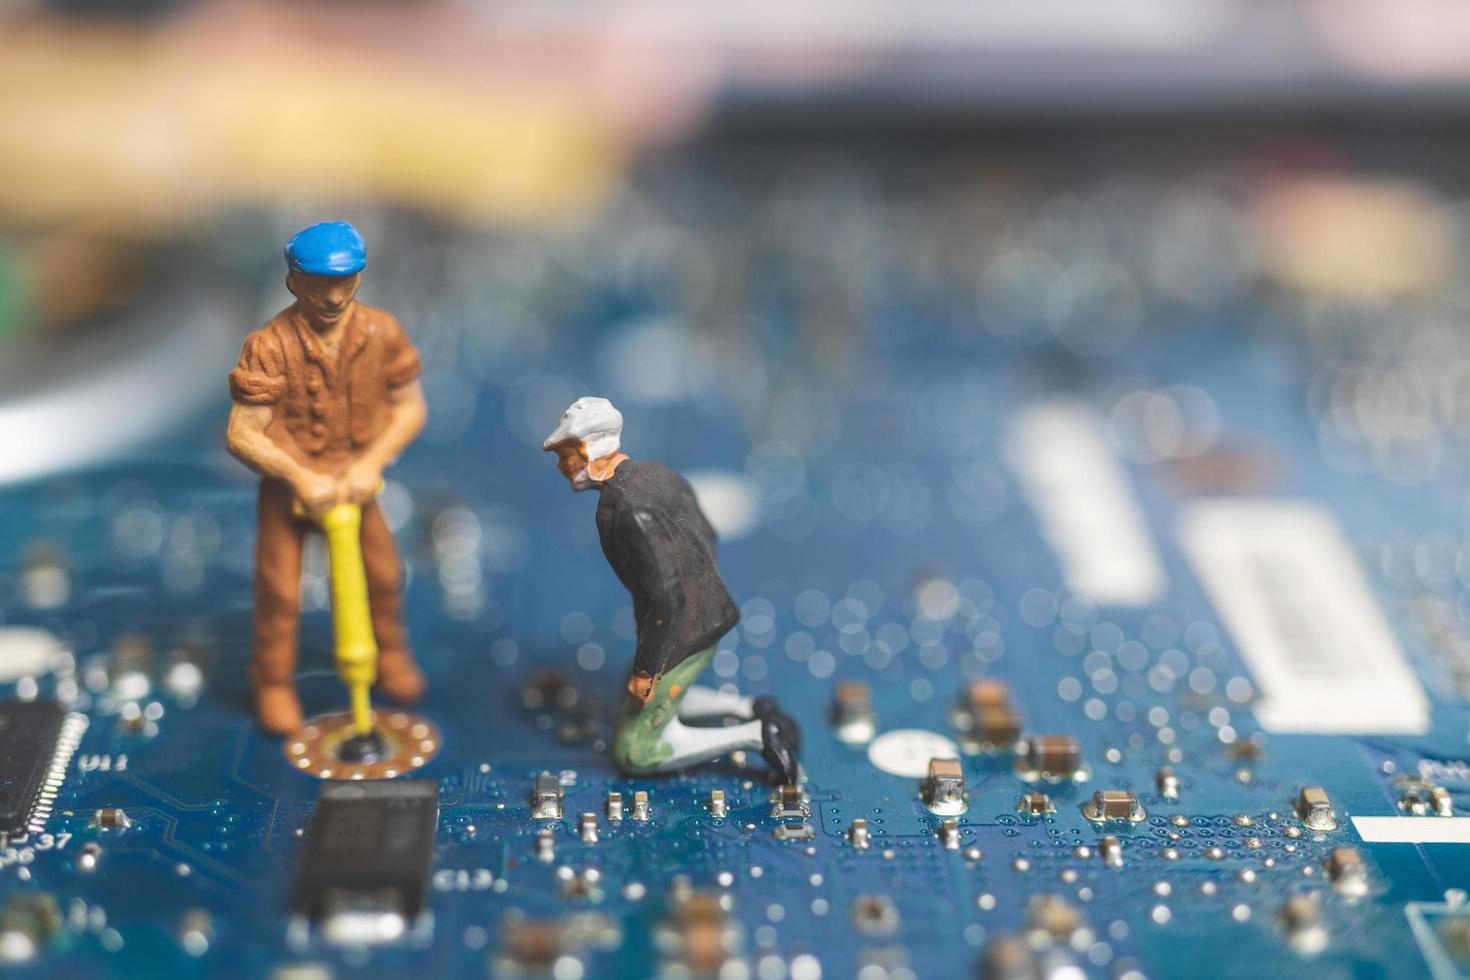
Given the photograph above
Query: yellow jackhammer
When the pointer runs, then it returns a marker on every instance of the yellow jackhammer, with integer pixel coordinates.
(352, 624)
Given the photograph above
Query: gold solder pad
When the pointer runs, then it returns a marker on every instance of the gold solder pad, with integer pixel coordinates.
(409, 741)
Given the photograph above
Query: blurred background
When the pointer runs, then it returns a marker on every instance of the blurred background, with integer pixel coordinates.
(1018, 160)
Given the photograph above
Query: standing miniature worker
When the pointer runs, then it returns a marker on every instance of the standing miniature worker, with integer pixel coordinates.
(662, 548)
(326, 395)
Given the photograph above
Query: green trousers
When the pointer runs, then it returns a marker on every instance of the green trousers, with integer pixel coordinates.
(639, 745)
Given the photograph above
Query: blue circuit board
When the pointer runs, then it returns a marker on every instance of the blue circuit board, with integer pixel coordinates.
(841, 363)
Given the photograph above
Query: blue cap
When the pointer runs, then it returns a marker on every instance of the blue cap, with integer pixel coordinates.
(331, 248)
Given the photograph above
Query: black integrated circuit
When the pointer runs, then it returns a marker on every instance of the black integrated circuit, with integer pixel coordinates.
(29, 733)
(370, 850)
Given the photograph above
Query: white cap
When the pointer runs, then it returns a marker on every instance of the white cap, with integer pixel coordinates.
(594, 423)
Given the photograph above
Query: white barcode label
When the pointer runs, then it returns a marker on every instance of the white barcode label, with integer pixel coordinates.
(1413, 830)
(1288, 586)
(1085, 506)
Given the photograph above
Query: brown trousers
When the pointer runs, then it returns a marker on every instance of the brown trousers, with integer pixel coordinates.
(281, 536)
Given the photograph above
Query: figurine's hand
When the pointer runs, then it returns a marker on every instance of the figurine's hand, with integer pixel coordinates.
(361, 482)
(316, 491)
(641, 686)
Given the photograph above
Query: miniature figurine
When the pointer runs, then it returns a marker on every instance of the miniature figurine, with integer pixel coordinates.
(326, 395)
(662, 548)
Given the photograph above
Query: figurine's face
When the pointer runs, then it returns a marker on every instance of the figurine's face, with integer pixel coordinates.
(571, 459)
(324, 299)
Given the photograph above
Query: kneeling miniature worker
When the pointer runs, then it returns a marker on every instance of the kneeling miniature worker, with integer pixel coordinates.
(662, 548)
(326, 395)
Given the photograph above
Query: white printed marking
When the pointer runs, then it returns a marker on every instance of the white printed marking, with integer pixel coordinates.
(907, 751)
(1287, 584)
(1413, 830)
(1086, 508)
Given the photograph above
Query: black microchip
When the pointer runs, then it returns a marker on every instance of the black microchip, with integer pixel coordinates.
(371, 846)
(29, 731)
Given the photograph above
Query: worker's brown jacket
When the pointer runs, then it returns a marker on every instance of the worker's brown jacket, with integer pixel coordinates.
(325, 409)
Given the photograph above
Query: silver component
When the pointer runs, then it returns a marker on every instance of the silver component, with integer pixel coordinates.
(640, 805)
(986, 719)
(111, 818)
(858, 834)
(1167, 783)
(1422, 798)
(1114, 804)
(546, 846)
(1315, 809)
(1301, 920)
(546, 798)
(789, 802)
(614, 806)
(1054, 758)
(1347, 872)
(1110, 849)
(794, 831)
(944, 789)
(949, 834)
(587, 828)
(717, 806)
(1035, 804)
(852, 713)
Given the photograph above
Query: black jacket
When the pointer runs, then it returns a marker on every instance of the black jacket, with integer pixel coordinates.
(662, 547)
